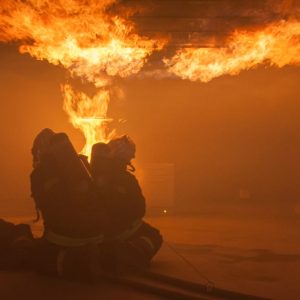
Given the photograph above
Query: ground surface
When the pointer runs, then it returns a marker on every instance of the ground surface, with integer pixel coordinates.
(255, 256)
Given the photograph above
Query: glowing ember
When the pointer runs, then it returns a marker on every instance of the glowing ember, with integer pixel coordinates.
(83, 38)
(278, 44)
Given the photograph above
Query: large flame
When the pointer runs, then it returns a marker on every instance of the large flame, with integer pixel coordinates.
(83, 38)
(278, 44)
(76, 34)
(92, 43)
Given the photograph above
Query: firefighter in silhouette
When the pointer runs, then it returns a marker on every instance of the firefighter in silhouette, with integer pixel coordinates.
(92, 222)
(17, 244)
(129, 241)
(63, 191)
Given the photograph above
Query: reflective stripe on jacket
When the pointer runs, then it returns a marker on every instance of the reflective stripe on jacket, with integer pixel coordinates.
(135, 226)
(66, 241)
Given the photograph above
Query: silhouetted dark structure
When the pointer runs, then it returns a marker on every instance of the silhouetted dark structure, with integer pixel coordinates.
(129, 240)
(62, 190)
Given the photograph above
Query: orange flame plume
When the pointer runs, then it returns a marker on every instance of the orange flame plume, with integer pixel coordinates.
(88, 114)
(83, 38)
(91, 43)
(277, 44)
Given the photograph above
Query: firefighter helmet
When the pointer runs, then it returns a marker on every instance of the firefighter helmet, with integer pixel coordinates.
(122, 148)
(41, 144)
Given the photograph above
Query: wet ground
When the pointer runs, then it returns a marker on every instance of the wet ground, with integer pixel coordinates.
(254, 256)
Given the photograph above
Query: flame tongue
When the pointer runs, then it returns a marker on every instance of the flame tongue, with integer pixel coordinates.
(83, 38)
(91, 43)
(277, 44)
(88, 115)
(79, 35)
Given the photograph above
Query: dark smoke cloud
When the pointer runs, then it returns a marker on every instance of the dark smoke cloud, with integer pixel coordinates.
(204, 22)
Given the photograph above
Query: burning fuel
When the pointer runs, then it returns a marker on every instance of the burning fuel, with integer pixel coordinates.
(277, 44)
(88, 114)
(84, 39)
(95, 44)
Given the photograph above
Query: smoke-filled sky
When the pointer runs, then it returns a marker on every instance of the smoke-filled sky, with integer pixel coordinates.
(231, 133)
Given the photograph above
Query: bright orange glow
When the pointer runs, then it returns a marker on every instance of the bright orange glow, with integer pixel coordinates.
(277, 44)
(88, 115)
(84, 38)
(91, 43)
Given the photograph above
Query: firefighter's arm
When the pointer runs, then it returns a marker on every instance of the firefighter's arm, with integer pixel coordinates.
(129, 200)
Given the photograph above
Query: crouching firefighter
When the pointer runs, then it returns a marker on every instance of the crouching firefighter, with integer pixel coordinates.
(129, 241)
(63, 192)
